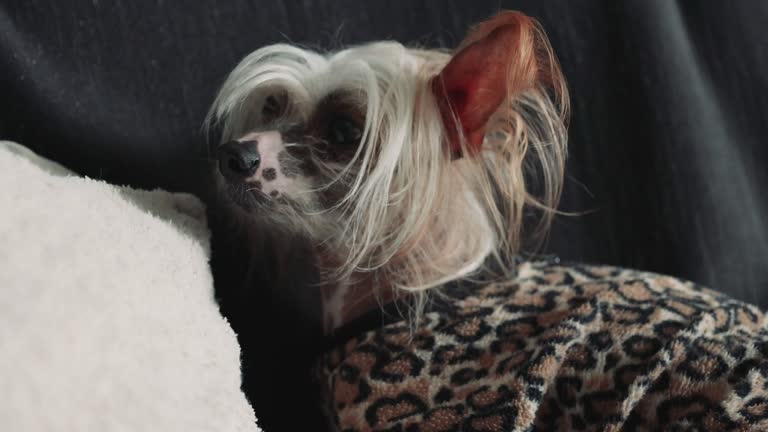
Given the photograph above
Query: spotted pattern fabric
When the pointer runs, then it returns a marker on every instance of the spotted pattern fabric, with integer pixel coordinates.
(560, 347)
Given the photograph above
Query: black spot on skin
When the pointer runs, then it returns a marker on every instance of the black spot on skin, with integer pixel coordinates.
(288, 164)
(269, 174)
(334, 192)
(257, 185)
(274, 194)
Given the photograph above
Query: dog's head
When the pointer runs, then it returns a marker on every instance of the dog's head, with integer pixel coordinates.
(407, 164)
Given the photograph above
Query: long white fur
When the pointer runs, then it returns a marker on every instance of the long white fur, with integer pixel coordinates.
(412, 216)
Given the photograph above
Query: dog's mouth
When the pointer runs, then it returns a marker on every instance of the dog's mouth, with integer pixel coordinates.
(249, 196)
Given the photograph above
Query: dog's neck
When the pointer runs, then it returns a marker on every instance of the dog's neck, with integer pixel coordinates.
(323, 303)
(345, 301)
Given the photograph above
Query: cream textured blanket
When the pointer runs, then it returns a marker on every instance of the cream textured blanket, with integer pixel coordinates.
(107, 315)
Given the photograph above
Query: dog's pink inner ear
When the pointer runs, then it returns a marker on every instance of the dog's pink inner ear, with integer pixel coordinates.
(494, 63)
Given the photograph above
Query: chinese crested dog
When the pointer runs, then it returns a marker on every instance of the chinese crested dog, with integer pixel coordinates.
(404, 168)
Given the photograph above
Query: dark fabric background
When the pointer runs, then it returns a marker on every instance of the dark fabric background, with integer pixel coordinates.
(668, 153)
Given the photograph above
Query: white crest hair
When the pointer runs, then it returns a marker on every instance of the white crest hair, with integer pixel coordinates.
(412, 216)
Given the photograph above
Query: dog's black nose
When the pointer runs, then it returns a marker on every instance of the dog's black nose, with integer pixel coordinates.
(238, 160)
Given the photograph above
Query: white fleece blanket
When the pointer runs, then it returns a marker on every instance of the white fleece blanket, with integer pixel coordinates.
(107, 315)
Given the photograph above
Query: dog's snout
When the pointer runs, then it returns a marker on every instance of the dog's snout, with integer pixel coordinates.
(238, 160)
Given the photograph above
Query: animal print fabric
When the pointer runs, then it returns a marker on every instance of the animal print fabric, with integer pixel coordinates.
(560, 347)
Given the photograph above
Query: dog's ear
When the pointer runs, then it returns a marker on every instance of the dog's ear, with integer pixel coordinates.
(497, 60)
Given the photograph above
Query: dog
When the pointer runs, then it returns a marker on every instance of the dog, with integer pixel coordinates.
(403, 168)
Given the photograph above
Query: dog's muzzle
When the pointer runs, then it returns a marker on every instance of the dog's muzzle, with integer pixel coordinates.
(238, 160)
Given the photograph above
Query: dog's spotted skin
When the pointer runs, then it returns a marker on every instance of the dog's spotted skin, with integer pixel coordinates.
(277, 174)
(269, 174)
(289, 165)
(560, 348)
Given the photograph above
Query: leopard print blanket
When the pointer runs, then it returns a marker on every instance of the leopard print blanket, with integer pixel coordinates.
(560, 347)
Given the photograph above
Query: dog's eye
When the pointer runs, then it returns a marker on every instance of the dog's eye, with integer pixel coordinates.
(273, 108)
(345, 131)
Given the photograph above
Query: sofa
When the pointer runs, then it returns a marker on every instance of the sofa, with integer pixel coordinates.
(666, 154)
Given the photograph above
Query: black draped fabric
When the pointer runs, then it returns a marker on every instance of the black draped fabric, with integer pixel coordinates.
(668, 155)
